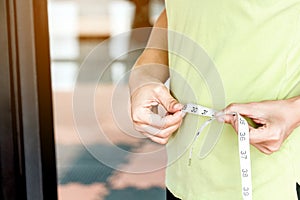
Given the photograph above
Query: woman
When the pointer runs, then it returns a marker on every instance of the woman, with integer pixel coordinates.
(255, 48)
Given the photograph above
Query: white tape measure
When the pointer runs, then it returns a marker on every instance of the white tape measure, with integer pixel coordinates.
(243, 139)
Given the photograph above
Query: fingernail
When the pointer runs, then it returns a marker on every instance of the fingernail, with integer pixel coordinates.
(177, 106)
(179, 113)
(220, 118)
(154, 103)
(220, 113)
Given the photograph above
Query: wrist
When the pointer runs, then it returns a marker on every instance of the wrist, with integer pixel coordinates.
(147, 75)
(295, 110)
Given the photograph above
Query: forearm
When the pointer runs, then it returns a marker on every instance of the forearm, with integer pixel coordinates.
(152, 65)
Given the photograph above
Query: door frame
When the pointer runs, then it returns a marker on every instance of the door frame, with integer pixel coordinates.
(27, 148)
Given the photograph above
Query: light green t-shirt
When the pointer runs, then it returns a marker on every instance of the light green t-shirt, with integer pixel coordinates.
(255, 48)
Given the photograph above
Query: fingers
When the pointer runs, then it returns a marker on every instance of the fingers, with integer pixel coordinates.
(156, 139)
(266, 138)
(229, 118)
(251, 110)
(160, 136)
(147, 117)
(266, 148)
(168, 101)
(155, 127)
(263, 148)
(159, 132)
(144, 102)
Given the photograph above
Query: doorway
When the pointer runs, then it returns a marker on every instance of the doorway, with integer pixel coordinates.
(93, 47)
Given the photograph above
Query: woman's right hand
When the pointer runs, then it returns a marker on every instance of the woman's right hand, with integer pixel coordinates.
(144, 101)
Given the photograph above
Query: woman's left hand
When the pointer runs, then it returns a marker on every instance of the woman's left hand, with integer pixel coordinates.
(275, 121)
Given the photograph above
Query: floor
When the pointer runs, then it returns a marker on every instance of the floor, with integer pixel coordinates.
(113, 163)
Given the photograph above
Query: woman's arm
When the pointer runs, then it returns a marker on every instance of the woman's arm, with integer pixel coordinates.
(147, 88)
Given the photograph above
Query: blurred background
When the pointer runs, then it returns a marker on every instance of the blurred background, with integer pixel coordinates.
(79, 31)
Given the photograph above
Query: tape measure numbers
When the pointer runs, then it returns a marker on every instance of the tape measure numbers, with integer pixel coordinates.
(243, 140)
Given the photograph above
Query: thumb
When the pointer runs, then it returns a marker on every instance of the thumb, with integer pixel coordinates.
(246, 109)
(228, 115)
(169, 102)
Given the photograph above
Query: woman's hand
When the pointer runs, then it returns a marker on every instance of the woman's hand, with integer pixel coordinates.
(275, 121)
(148, 91)
(144, 101)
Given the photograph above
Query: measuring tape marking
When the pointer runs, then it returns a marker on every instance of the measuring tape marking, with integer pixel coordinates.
(243, 140)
